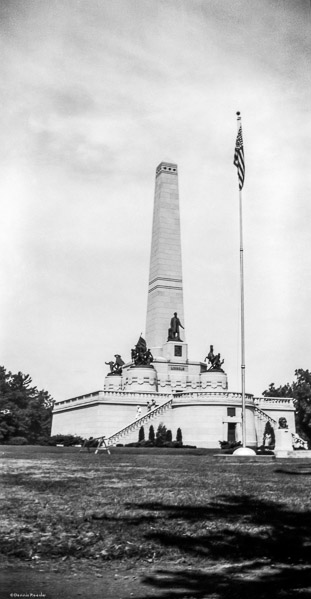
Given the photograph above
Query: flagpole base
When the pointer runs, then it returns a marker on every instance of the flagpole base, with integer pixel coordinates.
(241, 451)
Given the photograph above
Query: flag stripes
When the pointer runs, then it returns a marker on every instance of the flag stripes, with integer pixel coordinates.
(239, 157)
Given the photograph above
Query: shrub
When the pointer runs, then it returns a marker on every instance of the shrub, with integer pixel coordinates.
(42, 441)
(179, 436)
(172, 444)
(66, 440)
(151, 434)
(230, 446)
(146, 443)
(141, 434)
(17, 441)
(264, 451)
(168, 436)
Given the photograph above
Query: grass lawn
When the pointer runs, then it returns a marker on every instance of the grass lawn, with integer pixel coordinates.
(160, 523)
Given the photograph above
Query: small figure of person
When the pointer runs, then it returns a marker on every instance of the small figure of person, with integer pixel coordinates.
(87, 443)
(138, 412)
(153, 404)
(148, 406)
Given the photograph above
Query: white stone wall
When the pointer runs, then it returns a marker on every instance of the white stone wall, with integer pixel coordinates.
(202, 417)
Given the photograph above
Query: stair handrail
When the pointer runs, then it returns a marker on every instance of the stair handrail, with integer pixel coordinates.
(133, 425)
(265, 415)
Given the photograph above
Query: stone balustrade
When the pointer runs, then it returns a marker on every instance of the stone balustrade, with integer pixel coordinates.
(142, 398)
(274, 400)
(134, 425)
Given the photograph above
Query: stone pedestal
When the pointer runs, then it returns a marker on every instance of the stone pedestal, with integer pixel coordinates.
(213, 380)
(113, 382)
(175, 351)
(140, 378)
(283, 442)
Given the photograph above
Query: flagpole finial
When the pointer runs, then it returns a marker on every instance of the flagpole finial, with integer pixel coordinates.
(238, 115)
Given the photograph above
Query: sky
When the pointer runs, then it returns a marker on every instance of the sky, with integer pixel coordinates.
(95, 94)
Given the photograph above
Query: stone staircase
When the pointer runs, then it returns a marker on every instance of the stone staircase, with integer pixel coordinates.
(105, 442)
(297, 441)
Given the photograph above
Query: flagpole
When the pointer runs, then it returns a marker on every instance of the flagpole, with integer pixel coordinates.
(242, 304)
(242, 323)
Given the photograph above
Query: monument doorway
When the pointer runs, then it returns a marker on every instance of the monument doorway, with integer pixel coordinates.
(231, 432)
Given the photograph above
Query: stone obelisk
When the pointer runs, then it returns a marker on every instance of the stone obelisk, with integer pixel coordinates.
(165, 293)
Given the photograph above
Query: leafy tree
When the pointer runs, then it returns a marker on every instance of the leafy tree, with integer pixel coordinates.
(151, 434)
(282, 391)
(179, 436)
(300, 391)
(161, 434)
(25, 412)
(302, 400)
(141, 434)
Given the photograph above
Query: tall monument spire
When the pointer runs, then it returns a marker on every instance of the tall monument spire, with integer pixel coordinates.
(165, 293)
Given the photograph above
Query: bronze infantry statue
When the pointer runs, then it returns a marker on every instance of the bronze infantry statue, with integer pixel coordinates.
(115, 367)
(141, 356)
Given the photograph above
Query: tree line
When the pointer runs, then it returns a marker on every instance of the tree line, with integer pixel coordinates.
(25, 412)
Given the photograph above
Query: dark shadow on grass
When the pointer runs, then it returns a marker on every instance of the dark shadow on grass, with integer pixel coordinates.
(295, 472)
(196, 584)
(42, 485)
(265, 548)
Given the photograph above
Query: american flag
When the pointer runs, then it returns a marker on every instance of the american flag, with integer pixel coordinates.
(239, 157)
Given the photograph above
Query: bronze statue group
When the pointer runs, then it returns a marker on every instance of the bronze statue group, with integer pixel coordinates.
(142, 356)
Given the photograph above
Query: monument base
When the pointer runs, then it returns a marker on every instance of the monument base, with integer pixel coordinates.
(113, 382)
(211, 379)
(175, 351)
(298, 455)
(140, 378)
(282, 453)
(283, 440)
